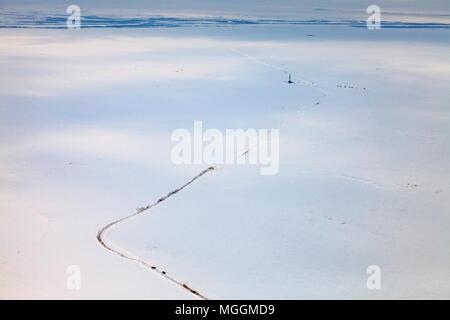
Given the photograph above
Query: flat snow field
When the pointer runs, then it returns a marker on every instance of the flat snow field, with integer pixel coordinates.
(85, 125)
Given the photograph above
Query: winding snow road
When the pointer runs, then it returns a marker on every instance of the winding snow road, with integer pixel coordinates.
(102, 233)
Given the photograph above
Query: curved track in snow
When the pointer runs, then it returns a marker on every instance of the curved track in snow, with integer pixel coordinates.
(127, 255)
(108, 245)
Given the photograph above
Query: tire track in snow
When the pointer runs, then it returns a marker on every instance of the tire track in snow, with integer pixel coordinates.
(297, 81)
(127, 255)
(108, 245)
(302, 81)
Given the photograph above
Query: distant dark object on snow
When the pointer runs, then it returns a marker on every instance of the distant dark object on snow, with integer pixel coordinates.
(290, 80)
(349, 87)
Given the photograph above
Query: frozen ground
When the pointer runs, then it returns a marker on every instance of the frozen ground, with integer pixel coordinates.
(85, 128)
